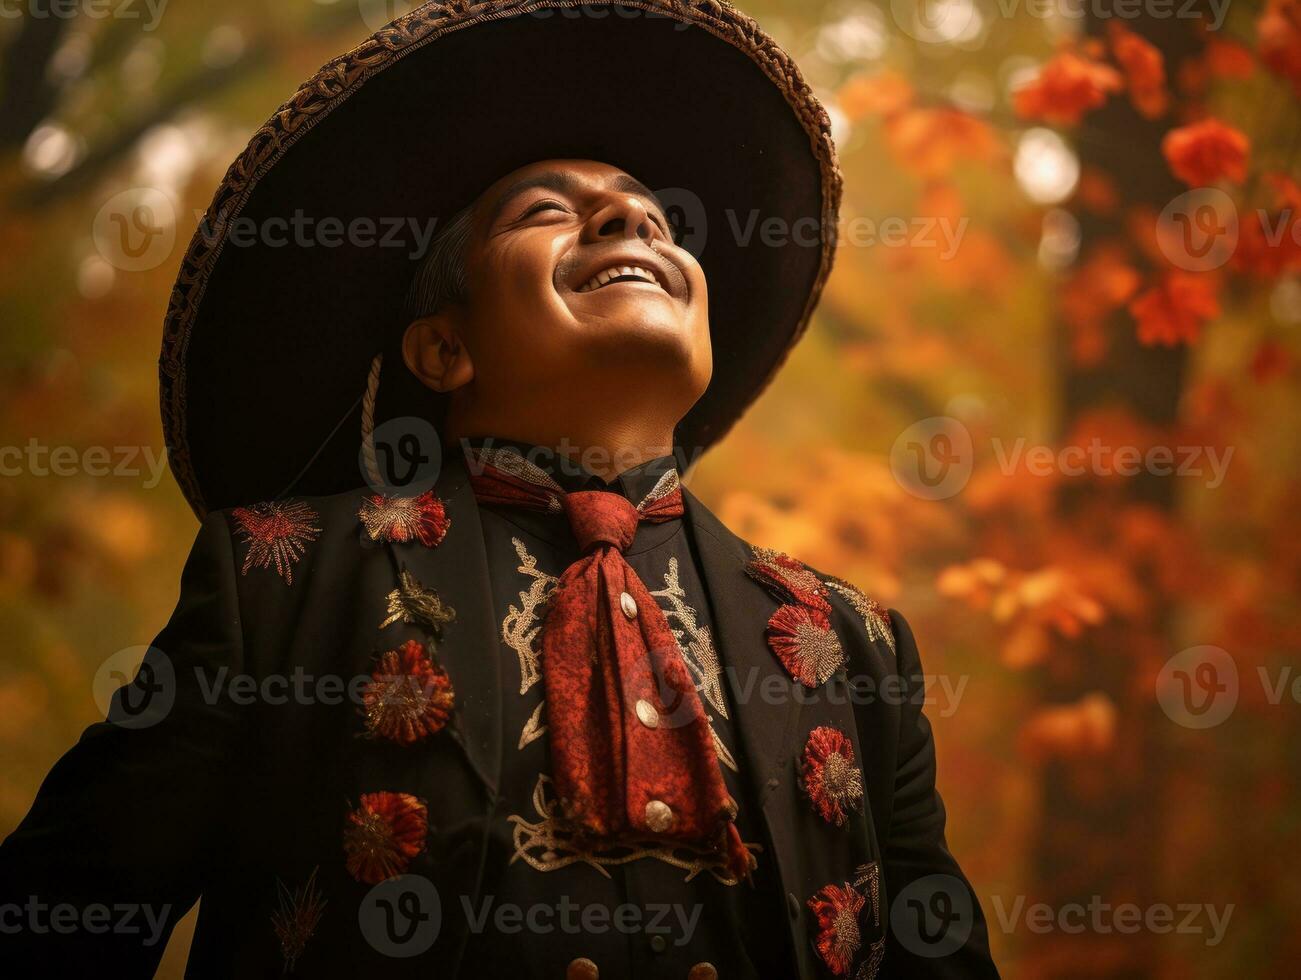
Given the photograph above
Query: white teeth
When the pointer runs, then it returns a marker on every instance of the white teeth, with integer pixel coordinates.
(615, 271)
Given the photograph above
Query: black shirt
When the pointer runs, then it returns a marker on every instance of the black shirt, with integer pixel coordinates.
(634, 914)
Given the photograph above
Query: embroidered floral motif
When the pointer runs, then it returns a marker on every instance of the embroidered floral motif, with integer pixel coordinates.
(789, 578)
(550, 843)
(876, 619)
(870, 967)
(867, 879)
(295, 921)
(411, 602)
(276, 534)
(408, 697)
(805, 643)
(534, 728)
(836, 909)
(698, 652)
(523, 624)
(830, 776)
(384, 835)
(403, 519)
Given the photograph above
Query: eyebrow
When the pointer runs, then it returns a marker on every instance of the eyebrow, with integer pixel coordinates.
(565, 184)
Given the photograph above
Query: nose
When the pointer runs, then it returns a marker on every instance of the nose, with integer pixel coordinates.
(623, 216)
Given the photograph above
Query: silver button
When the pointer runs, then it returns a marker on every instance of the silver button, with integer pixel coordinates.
(628, 604)
(659, 818)
(647, 714)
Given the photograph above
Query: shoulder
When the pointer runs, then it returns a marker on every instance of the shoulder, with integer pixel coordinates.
(293, 537)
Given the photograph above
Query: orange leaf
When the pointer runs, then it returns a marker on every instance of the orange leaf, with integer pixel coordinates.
(1173, 311)
(1066, 88)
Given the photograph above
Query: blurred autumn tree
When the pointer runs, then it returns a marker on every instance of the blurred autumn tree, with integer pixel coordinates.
(1052, 287)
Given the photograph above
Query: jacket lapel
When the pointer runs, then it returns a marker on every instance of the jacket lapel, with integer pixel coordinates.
(457, 570)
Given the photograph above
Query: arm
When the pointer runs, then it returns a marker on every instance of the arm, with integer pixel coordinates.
(933, 908)
(130, 818)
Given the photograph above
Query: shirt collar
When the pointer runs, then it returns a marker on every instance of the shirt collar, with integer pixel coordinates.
(635, 483)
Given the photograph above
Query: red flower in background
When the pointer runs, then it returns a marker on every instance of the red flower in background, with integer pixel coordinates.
(408, 696)
(830, 775)
(1206, 152)
(1173, 311)
(1066, 88)
(836, 909)
(1144, 69)
(383, 836)
(1228, 59)
(1278, 35)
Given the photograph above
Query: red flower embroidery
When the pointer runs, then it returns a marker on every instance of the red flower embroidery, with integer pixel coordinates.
(296, 919)
(836, 908)
(408, 696)
(830, 775)
(789, 577)
(402, 519)
(276, 534)
(805, 643)
(383, 835)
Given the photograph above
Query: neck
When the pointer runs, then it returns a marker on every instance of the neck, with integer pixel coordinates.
(605, 448)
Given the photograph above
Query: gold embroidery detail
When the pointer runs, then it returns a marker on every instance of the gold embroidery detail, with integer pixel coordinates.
(875, 618)
(411, 602)
(722, 751)
(549, 845)
(534, 728)
(509, 460)
(698, 651)
(276, 534)
(800, 577)
(867, 879)
(872, 965)
(295, 921)
(663, 487)
(523, 624)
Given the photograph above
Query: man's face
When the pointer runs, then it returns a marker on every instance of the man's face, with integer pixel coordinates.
(574, 279)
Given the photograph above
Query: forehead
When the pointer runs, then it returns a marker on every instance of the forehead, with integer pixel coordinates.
(574, 177)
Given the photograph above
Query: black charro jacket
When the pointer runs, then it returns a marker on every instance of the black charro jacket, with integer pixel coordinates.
(232, 783)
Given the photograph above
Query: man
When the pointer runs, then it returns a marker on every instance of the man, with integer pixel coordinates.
(521, 706)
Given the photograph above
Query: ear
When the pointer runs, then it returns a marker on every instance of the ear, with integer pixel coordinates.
(433, 352)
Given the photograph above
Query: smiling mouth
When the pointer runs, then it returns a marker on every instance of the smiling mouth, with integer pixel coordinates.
(619, 273)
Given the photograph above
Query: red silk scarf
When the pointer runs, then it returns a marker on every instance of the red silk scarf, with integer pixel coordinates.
(632, 754)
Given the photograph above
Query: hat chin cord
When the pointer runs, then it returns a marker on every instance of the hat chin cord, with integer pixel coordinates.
(368, 421)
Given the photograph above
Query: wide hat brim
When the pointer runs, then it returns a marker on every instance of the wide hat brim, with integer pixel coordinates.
(270, 332)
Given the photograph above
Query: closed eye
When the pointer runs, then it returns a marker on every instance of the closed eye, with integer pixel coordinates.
(540, 206)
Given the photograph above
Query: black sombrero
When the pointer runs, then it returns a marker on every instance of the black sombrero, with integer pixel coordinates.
(268, 343)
